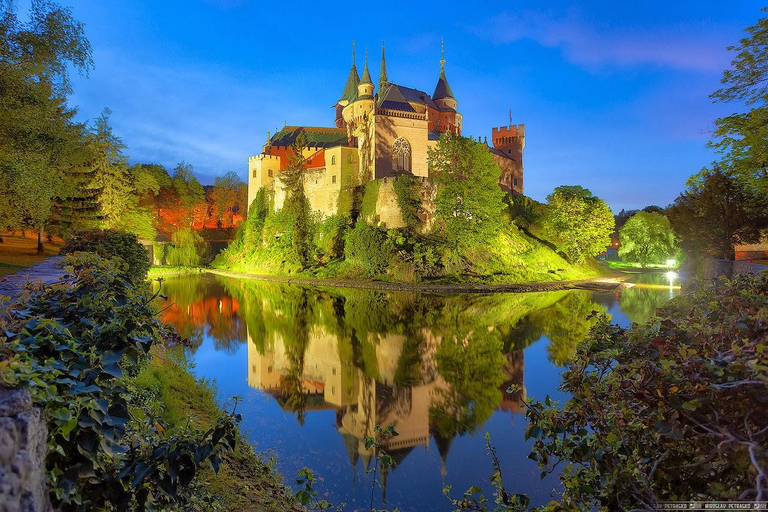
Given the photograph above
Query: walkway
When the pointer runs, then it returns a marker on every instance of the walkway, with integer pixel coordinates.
(47, 271)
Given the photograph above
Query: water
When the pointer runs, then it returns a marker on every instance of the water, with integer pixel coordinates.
(318, 369)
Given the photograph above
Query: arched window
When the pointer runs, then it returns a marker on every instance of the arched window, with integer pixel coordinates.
(401, 155)
(333, 160)
(350, 158)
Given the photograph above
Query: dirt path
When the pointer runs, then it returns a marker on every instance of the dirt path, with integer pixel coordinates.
(603, 283)
(47, 271)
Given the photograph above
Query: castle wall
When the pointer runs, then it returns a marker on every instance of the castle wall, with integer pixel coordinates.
(387, 128)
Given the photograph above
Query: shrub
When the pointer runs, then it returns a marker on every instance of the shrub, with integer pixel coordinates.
(72, 345)
(331, 236)
(672, 410)
(370, 247)
(187, 248)
(111, 244)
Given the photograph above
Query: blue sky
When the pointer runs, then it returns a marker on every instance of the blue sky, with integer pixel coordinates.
(614, 95)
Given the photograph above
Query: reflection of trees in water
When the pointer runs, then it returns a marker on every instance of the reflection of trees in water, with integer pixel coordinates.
(470, 362)
(640, 304)
(295, 348)
(197, 305)
(565, 323)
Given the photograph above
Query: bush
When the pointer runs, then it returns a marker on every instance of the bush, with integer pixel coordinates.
(111, 244)
(72, 344)
(370, 247)
(187, 248)
(672, 410)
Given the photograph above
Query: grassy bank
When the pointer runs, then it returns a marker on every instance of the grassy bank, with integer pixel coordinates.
(244, 482)
(18, 252)
(169, 271)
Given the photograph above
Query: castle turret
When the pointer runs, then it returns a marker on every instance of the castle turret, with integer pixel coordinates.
(365, 87)
(449, 119)
(349, 94)
(443, 95)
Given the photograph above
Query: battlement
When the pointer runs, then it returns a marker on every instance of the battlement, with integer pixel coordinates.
(507, 131)
(263, 156)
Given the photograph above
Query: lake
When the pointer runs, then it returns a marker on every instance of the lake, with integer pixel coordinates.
(318, 369)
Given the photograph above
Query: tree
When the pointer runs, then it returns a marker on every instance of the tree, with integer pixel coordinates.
(189, 193)
(742, 138)
(36, 127)
(716, 211)
(646, 238)
(296, 210)
(229, 195)
(469, 200)
(580, 223)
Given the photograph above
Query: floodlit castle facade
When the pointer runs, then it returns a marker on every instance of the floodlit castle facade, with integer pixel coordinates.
(381, 132)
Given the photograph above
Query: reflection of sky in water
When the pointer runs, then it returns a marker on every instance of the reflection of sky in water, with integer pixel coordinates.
(417, 482)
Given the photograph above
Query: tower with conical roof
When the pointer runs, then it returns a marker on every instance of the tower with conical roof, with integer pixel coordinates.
(449, 119)
(349, 94)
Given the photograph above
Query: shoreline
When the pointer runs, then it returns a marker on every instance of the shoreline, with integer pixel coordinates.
(607, 283)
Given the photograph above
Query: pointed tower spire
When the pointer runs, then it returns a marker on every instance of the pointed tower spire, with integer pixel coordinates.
(366, 78)
(442, 89)
(350, 88)
(383, 72)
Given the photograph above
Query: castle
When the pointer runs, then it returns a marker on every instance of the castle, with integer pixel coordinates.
(380, 133)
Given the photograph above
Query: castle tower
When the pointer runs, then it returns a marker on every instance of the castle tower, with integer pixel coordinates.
(449, 118)
(349, 93)
(508, 143)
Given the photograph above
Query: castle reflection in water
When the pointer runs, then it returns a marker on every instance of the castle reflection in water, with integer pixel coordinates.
(436, 367)
(362, 402)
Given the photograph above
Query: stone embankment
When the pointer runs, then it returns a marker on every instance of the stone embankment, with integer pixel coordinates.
(609, 283)
(23, 445)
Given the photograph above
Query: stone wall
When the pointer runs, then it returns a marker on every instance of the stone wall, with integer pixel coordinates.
(23, 439)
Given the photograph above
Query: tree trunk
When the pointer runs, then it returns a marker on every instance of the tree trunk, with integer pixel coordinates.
(40, 234)
(1, 237)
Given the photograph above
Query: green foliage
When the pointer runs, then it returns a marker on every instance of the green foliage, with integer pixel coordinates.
(742, 138)
(469, 200)
(716, 211)
(296, 210)
(524, 211)
(73, 344)
(369, 247)
(647, 238)
(408, 193)
(186, 249)
(580, 223)
(112, 244)
(671, 410)
(370, 198)
(38, 137)
(330, 233)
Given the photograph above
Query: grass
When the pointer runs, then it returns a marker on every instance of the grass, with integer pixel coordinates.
(244, 481)
(631, 265)
(164, 270)
(18, 253)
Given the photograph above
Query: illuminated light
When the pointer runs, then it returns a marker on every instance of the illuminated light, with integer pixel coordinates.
(670, 263)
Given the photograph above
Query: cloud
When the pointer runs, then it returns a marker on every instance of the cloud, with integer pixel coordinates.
(587, 46)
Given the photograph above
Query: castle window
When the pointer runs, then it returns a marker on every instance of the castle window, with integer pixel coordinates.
(350, 158)
(270, 173)
(514, 182)
(510, 151)
(333, 179)
(401, 155)
(333, 160)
